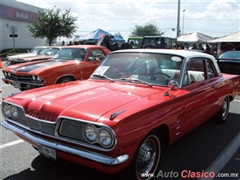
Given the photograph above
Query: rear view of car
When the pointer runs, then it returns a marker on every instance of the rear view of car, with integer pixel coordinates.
(229, 62)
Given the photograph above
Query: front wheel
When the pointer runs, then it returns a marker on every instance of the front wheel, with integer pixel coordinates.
(145, 163)
(222, 114)
(65, 80)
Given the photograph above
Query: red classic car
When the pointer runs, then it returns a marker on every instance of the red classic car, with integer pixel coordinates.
(136, 102)
(69, 64)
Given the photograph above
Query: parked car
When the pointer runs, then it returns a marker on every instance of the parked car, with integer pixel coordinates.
(135, 103)
(33, 52)
(44, 54)
(69, 64)
(229, 62)
(158, 42)
(135, 42)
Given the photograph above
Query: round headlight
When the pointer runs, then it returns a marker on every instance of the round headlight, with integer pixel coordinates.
(90, 133)
(105, 138)
(38, 78)
(33, 78)
(6, 110)
(9, 74)
(14, 112)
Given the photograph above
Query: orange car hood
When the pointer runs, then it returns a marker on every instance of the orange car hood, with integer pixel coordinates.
(88, 100)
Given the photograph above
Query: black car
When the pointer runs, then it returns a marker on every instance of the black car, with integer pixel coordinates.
(229, 62)
(158, 42)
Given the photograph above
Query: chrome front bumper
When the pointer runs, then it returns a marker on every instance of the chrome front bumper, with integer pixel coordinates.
(83, 153)
(18, 84)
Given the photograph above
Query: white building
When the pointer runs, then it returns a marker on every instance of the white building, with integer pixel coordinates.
(16, 16)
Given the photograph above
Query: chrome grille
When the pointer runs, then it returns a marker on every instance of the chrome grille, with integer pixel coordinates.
(48, 128)
(20, 78)
(43, 127)
(33, 124)
(21, 117)
(72, 129)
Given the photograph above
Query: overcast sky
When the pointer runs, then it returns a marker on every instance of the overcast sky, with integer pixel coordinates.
(215, 18)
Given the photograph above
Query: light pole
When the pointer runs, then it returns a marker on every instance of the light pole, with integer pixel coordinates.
(178, 18)
(183, 22)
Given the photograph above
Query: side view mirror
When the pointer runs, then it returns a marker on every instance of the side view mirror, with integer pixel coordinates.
(173, 85)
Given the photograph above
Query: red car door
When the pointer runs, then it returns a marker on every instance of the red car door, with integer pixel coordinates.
(199, 100)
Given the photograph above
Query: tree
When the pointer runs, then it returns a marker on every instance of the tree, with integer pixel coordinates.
(118, 34)
(52, 24)
(150, 29)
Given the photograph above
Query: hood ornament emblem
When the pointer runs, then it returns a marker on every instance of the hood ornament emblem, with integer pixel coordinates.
(114, 115)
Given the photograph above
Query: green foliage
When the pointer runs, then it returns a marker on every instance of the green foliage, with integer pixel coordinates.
(52, 24)
(118, 34)
(149, 29)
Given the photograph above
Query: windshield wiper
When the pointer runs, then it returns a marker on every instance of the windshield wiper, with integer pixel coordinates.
(135, 80)
(103, 76)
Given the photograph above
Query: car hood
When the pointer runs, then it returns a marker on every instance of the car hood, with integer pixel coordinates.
(21, 56)
(37, 57)
(37, 66)
(88, 100)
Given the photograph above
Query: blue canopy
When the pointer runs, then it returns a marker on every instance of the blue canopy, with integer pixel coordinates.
(96, 35)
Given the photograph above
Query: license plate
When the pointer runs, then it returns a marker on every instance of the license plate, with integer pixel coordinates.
(48, 152)
(16, 85)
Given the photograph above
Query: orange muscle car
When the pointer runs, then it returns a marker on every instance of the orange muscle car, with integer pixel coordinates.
(69, 64)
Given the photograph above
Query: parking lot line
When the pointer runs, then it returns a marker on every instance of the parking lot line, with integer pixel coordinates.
(11, 143)
(236, 100)
(225, 156)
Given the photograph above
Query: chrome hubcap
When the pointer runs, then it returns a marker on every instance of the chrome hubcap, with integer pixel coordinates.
(147, 157)
(224, 108)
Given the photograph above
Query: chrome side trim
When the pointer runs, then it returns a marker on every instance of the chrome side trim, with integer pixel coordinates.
(83, 153)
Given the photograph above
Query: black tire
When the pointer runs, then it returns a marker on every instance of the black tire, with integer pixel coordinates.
(125, 46)
(64, 80)
(222, 114)
(145, 164)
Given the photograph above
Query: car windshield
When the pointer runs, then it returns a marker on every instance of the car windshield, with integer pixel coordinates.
(49, 51)
(71, 54)
(143, 68)
(230, 55)
(36, 50)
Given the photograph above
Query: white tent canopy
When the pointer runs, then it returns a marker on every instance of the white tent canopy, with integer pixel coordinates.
(235, 37)
(194, 37)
